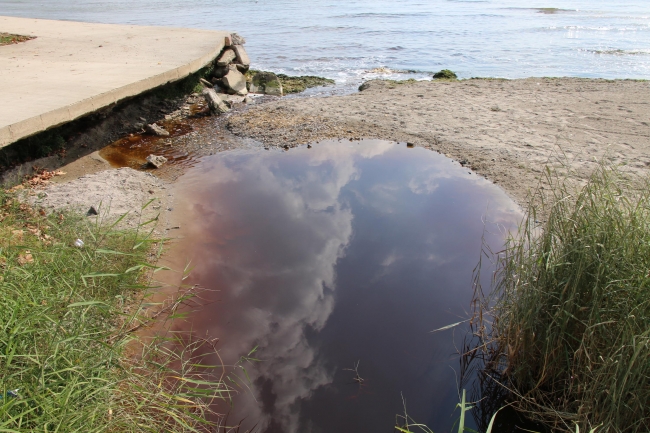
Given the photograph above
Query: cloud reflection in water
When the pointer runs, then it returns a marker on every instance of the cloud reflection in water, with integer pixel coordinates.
(289, 239)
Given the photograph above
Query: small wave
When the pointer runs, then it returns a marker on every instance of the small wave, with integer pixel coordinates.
(377, 15)
(550, 11)
(382, 70)
(619, 52)
(547, 11)
(591, 28)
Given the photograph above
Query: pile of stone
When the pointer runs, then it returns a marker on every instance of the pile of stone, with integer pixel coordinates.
(228, 85)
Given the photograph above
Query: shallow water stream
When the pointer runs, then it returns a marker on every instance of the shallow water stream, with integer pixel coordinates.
(325, 257)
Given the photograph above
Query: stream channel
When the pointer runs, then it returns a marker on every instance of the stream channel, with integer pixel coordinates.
(338, 255)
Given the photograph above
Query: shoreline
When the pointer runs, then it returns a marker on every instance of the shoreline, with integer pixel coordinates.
(504, 130)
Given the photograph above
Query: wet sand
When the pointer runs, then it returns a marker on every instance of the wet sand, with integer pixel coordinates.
(505, 130)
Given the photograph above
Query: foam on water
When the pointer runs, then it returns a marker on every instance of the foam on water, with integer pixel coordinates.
(347, 41)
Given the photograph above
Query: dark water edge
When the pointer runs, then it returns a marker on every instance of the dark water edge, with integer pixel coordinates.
(343, 254)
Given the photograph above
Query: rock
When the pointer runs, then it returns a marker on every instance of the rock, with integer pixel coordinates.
(156, 160)
(227, 57)
(228, 41)
(154, 129)
(242, 56)
(445, 74)
(221, 71)
(235, 82)
(216, 104)
(205, 82)
(266, 82)
(139, 126)
(231, 100)
(364, 86)
(236, 39)
(241, 68)
(248, 100)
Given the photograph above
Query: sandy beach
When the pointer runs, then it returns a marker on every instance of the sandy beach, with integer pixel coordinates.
(505, 130)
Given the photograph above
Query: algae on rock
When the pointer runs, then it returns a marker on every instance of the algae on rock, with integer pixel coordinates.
(445, 74)
(303, 82)
(288, 83)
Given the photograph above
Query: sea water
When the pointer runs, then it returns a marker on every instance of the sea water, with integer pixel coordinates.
(351, 41)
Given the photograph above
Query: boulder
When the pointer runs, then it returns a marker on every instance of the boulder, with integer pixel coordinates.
(242, 56)
(221, 71)
(216, 104)
(267, 83)
(445, 74)
(226, 57)
(236, 39)
(235, 82)
(156, 160)
(154, 129)
(231, 100)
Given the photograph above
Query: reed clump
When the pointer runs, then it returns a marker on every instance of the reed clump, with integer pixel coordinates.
(570, 307)
(67, 362)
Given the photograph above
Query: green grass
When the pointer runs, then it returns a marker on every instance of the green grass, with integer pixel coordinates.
(570, 307)
(65, 333)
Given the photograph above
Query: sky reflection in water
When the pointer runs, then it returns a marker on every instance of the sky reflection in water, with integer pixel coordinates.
(349, 251)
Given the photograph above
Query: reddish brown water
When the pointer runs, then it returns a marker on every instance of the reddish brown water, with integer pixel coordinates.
(132, 151)
(324, 257)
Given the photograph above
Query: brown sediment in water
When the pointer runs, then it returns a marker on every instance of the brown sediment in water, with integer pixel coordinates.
(190, 139)
(132, 151)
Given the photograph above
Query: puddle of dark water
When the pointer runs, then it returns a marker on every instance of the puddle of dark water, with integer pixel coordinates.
(324, 257)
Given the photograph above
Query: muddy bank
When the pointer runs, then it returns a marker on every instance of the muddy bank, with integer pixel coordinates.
(505, 130)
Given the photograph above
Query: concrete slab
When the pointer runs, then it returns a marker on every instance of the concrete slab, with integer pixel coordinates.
(72, 68)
